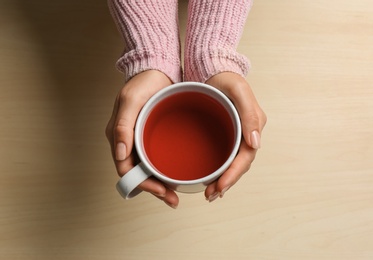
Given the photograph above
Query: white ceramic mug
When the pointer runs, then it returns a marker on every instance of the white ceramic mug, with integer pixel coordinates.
(127, 185)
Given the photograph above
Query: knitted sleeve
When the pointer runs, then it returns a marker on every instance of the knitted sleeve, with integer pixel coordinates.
(150, 32)
(214, 29)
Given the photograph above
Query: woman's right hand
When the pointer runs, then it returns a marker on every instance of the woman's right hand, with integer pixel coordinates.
(120, 128)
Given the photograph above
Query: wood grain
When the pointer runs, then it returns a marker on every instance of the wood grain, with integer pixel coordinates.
(308, 195)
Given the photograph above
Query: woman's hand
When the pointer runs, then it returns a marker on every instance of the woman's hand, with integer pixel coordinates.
(120, 128)
(253, 121)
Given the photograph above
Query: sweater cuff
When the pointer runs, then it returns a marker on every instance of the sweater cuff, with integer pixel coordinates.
(137, 61)
(213, 62)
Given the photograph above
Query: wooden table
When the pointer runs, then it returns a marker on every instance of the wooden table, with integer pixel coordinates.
(309, 194)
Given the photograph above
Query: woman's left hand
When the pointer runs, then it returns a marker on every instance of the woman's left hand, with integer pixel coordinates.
(253, 120)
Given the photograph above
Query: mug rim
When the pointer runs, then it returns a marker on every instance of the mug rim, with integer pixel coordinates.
(166, 92)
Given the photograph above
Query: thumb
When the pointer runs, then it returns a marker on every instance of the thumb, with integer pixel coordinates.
(239, 91)
(251, 129)
(131, 99)
(252, 117)
(124, 129)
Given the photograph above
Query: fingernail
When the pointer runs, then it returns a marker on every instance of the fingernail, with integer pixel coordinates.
(213, 196)
(120, 152)
(223, 191)
(255, 139)
(171, 205)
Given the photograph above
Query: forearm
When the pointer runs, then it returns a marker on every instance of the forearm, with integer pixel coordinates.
(214, 30)
(150, 32)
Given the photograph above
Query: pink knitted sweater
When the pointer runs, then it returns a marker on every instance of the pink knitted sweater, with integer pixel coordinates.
(150, 31)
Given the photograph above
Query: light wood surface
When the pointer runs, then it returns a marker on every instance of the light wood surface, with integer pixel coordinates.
(309, 194)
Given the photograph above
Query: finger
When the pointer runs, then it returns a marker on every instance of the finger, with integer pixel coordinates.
(156, 188)
(151, 184)
(124, 125)
(253, 121)
(131, 99)
(110, 126)
(211, 192)
(239, 91)
(171, 199)
(126, 165)
(249, 112)
(239, 166)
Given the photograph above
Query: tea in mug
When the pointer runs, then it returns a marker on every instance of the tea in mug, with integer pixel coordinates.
(188, 136)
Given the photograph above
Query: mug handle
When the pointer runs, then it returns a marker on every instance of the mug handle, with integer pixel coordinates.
(127, 185)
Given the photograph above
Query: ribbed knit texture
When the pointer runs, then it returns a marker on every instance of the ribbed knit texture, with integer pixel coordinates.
(151, 35)
(214, 30)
